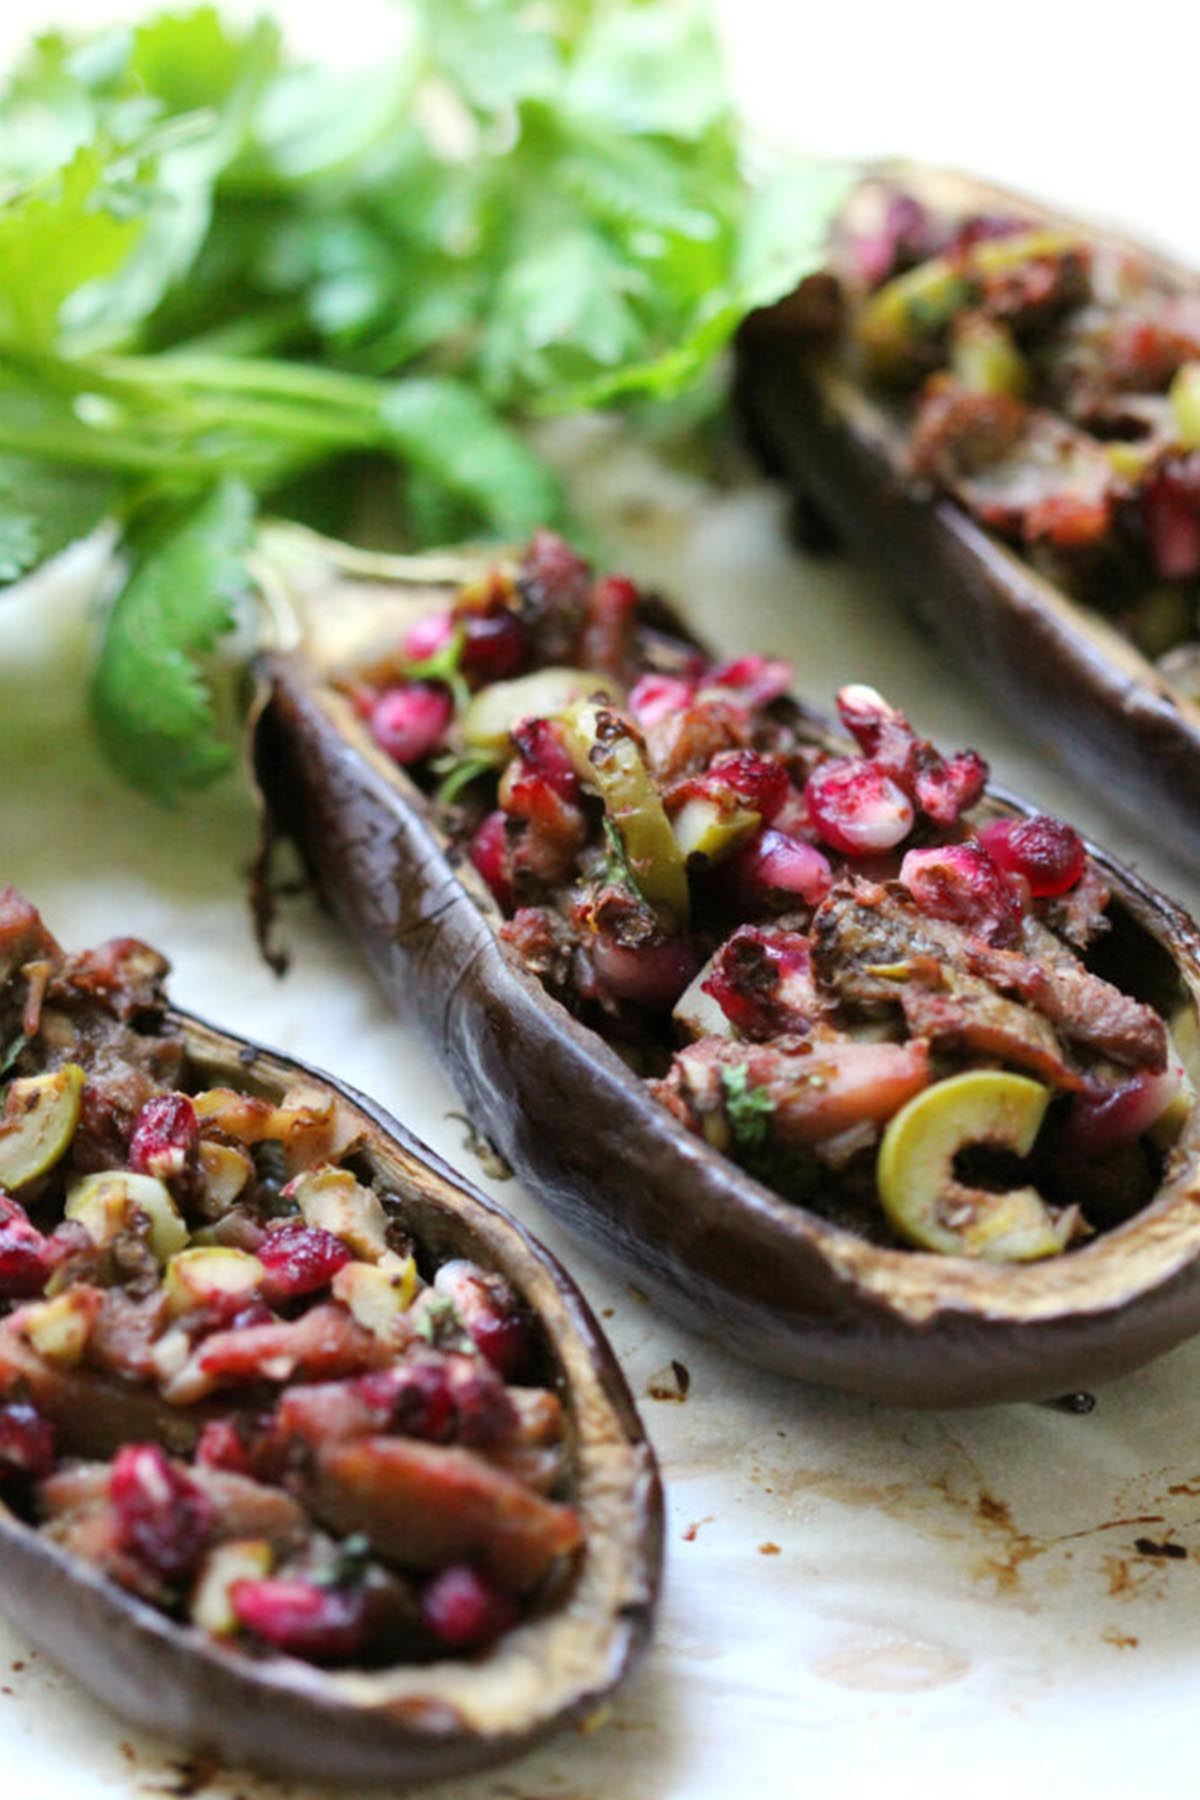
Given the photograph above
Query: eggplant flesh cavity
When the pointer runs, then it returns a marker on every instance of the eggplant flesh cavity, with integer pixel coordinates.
(395, 1718)
(1074, 679)
(771, 1281)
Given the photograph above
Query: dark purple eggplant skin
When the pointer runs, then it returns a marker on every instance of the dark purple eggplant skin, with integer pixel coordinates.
(767, 1280)
(285, 1718)
(1072, 681)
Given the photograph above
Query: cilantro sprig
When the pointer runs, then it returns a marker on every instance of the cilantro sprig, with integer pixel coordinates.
(229, 282)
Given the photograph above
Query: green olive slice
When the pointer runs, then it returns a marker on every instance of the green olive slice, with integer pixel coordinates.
(922, 1195)
(606, 754)
(40, 1116)
(494, 710)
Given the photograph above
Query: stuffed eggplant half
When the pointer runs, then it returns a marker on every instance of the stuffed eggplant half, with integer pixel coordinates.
(309, 1458)
(1000, 408)
(882, 1081)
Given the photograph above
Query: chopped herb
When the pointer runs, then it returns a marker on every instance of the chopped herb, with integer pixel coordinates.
(12, 1055)
(749, 1110)
(458, 772)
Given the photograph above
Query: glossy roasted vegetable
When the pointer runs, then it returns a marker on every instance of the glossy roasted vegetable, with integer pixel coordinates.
(310, 1459)
(790, 1285)
(1012, 448)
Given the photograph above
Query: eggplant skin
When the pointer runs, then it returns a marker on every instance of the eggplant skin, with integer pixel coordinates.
(767, 1280)
(1073, 681)
(411, 1724)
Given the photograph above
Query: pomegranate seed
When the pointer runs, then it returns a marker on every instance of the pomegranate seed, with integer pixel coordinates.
(23, 1264)
(489, 854)
(961, 883)
(409, 722)
(744, 778)
(490, 1313)
(656, 697)
(428, 636)
(494, 646)
(775, 869)
(866, 715)
(651, 975)
(300, 1259)
(442, 1400)
(904, 237)
(758, 679)
(551, 563)
(164, 1521)
(1046, 851)
(947, 787)
(464, 1610)
(856, 808)
(165, 1137)
(1106, 1118)
(319, 1624)
(27, 1443)
(544, 756)
(1171, 515)
(761, 980)
(221, 1446)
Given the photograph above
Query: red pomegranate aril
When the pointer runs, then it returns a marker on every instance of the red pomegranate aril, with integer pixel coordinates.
(23, 1264)
(164, 1521)
(865, 714)
(300, 1259)
(489, 854)
(491, 1315)
(856, 808)
(757, 679)
(1104, 1119)
(410, 722)
(961, 884)
(428, 636)
(319, 1624)
(222, 1446)
(761, 980)
(544, 755)
(465, 1611)
(650, 975)
(165, 1137)
(27, 1443)
(946, 788)
(551, 563)
(1171, 513)
(775, 867)
(494, 645)
(1045, 851)
(656, 697)
(758, 782)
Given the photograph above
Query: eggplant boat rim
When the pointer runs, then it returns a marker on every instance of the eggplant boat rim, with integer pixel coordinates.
(400, 1724)
(765, 1278)
(1071, 678)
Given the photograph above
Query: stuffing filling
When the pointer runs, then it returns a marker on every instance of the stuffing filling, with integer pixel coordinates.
(877, 1001)
(231, 1379)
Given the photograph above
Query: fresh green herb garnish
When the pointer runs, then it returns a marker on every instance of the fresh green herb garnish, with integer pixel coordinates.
(12, 1054)
(749, 1110)
(229, 281)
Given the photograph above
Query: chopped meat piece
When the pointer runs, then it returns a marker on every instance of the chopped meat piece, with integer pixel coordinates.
(425, 1505)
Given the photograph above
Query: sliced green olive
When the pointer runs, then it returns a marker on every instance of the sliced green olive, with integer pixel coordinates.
(1184, 396)
(921, 1193)
(494, 711)
(708, 833)
(606, 754)
(985, 359)
(40, 1116)
(920, 302)
(105, 1205)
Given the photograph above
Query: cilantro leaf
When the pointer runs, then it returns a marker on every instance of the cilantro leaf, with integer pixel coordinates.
(55, 237)
(154, 713)
(448, 430)
(44, 507)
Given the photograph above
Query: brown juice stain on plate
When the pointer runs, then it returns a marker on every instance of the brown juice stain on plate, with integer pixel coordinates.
(892, 1665)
